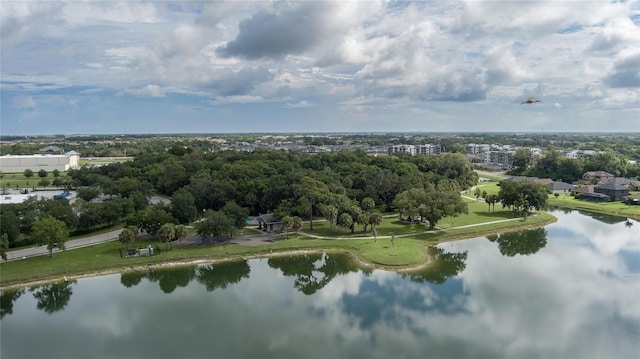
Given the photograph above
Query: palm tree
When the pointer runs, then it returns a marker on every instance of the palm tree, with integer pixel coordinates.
(297, 224)
(128, 235)
(375, 218)
(181, 232)
(167, 233)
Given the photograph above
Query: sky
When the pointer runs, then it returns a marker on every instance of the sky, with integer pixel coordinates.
(118, 67)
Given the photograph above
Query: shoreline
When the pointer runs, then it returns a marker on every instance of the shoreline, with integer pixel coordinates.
(198, 261)
(576, 207)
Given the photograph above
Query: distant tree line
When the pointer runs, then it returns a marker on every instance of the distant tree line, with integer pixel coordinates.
(560, 168)
(627, 145)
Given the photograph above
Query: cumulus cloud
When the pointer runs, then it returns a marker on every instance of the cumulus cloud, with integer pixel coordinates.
(227, 82)
(502, 66)
(291, 28)
(625, 71)
(616, 34)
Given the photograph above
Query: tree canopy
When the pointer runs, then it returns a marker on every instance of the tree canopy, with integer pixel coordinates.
(520, 196)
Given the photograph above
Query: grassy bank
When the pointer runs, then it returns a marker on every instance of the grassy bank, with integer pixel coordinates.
(614, 208)
(105, 258)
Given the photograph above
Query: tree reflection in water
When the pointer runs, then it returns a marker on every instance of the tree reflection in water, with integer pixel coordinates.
(171, 278)
(221, 275)
(53, 297)
(7, 298)
(523, 242)
(313, 272)
(130, 279)
(444, 265)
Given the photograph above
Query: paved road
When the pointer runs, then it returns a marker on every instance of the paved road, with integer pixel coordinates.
(76, 243)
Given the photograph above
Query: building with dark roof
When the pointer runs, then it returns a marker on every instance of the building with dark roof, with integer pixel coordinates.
(615, 191)
(268, 223)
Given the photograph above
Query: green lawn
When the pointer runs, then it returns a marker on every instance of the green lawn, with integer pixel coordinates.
(100, 161)
(614, 208)
(18, 180)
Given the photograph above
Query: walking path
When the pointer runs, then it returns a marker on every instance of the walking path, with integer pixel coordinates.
(437, 229)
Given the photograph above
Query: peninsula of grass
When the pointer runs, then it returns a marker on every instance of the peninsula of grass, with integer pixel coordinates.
(407, 251)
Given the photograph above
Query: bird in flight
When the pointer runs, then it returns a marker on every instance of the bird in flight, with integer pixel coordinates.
(530, 100)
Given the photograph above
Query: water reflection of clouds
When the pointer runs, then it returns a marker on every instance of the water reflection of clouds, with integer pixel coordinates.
(563, 301)
(607, 238)
(559, 296)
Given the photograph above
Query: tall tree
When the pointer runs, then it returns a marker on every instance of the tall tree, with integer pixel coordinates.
(181, 232)
(297, 224)
(375, 218)
(491, 200)
(312, 192)
(237, 213)
(345, 221)
(183, 206)
(287, 223)
(521, 161)
(520, 196)
(330, 212)
(215, 224)
(167, 233)
(430, 204)
(51, 232)
(128, 235)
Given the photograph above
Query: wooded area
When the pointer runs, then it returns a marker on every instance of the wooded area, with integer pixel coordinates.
(233, 185)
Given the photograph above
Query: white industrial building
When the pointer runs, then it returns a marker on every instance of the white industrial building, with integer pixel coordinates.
(19, 163)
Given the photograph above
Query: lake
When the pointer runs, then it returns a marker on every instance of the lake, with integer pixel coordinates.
(570, 290)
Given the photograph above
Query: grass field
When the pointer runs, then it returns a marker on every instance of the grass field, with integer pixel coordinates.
(18, 180)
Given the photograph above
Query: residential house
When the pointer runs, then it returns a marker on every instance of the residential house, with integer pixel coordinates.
(616, 192)
(560, 187)
(593, 177)
(633, 185)
(576, 191)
